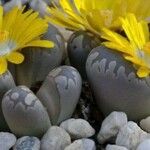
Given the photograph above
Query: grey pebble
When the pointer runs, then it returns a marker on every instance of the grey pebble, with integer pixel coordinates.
(56, 138)
(115, 147)
(111, 126)
(145, 145)
(27, 143)
(78, 128)
(82, 144)
(130, 136)
(7, 140)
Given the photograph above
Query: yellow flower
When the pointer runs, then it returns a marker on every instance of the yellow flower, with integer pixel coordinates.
(93, 15)
(135, 47)
(19, 30)
(85, 14)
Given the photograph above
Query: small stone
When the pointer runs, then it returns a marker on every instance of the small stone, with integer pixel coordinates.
(89, 144)
(145, 145)
(7, 140)
(111, 126)
(26, 142)
(115, 147)
(56, 138)
(24, 113)
(82, 144)
(76, 145)
(145, 124)
(78, 128)
(130, 136)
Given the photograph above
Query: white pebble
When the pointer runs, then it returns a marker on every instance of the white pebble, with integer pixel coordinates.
(82, 144)
(130, 136)
(56, 138)
(115, 147)
(145, 145)
(78, 128)
(7, 140)
(111, 126)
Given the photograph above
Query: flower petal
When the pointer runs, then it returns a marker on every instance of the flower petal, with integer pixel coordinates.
(1, 16)
(15, 57)
(143, 72)
(3, 65)
(40, 43)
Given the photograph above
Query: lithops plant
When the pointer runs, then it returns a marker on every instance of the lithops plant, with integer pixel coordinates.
(18, 36)
(122, 82)
(6, 83)
(60, 93)
(40, 61)
(79, 46)
(15, 34)
(115, 84)
(30, 114)
(24, 112)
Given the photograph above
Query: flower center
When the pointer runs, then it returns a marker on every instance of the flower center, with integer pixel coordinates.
(4, 43)
(3, 36)
(107, 15)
